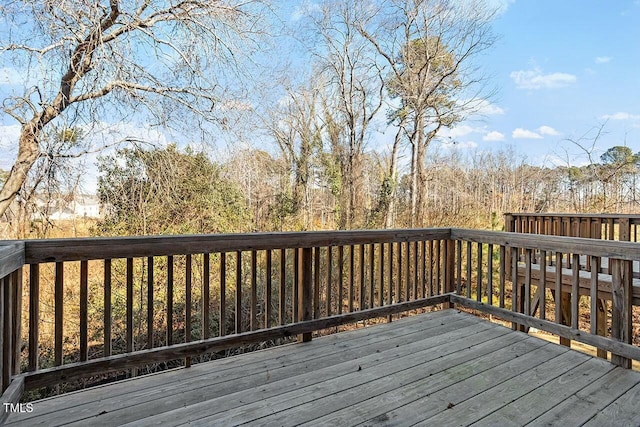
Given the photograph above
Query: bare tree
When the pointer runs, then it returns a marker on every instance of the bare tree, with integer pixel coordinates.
(352, 97)
(150, 60)
(429, 46)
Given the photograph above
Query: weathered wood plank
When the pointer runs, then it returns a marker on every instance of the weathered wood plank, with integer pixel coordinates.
(12, 257)
(292, 407)
(84, 294)
(58, 312)
(294, 379)
(206, 296)
(469, 405)
(114, 363)
(151, 301)
(567, 332)
(602, 248)
(621, 412)
(586, 403)
(160, 389)
(78, 249)
(531, 405)
(107, 307)
(34, 316)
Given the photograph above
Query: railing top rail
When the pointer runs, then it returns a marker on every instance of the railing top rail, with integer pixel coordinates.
(584, 246)
(80, 249)
(574, 215)
(11, 257)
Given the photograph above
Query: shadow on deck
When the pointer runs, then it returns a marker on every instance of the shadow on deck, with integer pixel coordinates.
(440, 368)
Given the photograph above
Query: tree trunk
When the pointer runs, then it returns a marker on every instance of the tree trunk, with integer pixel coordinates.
(28, 153)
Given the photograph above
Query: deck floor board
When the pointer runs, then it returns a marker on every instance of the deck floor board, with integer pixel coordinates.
(439, 368)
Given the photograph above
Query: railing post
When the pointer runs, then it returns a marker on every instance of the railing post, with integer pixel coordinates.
(450, 264)
(621, 313)
(509, 226)
(305, 285)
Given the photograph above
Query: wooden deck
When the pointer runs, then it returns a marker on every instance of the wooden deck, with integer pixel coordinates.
(440, 368)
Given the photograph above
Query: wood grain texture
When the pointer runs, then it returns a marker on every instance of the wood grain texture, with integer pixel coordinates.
(124, 361)
(78, 249)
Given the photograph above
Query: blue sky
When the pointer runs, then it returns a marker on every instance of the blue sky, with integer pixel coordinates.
(562, 69)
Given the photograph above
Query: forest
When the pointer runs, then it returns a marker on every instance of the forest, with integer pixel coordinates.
(352, 130)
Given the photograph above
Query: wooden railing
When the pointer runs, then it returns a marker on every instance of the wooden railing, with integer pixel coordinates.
(114, 304)
(100, 305)
(624, 227)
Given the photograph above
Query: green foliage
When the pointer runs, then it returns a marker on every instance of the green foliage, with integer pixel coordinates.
(165, 191)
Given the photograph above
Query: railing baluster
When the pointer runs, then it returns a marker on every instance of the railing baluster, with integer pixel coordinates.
(431, 261)
(253, 311)
(107, 308)
(575, 295)
(399, 277)
(407, 289)
(238, 292)
(527, 282)
(439, 266)
(621, 307)
(282, 294)
(58, 312)
(222, 320)
(5, 315)
(329, 279)
(390, 273)
(296, 277)
(187, 305)
(490, 274)
(503, 275)
(305, 303)
(469, 267)
(514, 285)
(34, 316)
(593, 296)
(150, 316)
(381, 278)
(340, 277)
(423, 269)
(268, 290)
(458, 267)
(479, 278)
(84, 276)
(415, 270)
(316, 282)
(129, 304)
(362, 283)
(542, 285)
(351, 278)
(170, 300)
(206, 295)
(371, 274)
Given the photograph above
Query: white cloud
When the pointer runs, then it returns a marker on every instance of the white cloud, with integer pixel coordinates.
(457, 131)
(535, 79)
(620, 115)
(493, 136)
(520, 133)
(466, 145)
(602, 59)
(486, 108)
(501, 6)
(548, 130)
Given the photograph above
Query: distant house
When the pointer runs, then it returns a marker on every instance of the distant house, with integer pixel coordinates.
(72, 206)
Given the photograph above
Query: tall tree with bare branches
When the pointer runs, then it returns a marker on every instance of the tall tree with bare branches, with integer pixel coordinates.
(110, 60)
(429, 46)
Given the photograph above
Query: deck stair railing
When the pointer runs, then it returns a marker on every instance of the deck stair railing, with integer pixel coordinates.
(78, 308)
